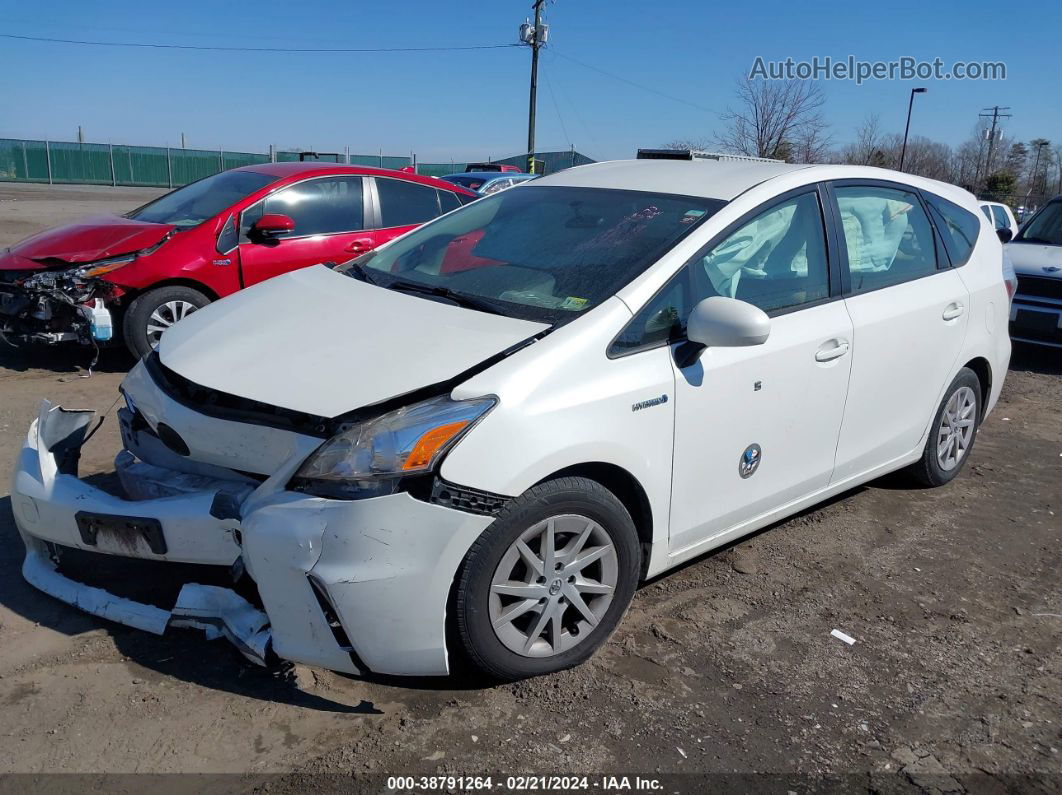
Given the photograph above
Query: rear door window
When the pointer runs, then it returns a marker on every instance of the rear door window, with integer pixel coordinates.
(448, 200)
(887, 235)
(1002, 222)
(405, 203)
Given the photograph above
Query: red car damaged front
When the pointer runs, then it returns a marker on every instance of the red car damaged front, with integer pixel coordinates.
(130, 278)
(50, 283)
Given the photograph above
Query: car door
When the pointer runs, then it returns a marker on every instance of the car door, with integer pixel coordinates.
(909, 315)
(756, 427)
(402, 205)
(329, 216)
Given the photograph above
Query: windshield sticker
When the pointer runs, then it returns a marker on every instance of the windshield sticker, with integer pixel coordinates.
(573, 303)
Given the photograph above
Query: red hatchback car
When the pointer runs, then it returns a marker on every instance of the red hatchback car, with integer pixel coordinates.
(133, 276)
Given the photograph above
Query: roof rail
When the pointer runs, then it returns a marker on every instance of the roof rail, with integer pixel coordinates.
(698, 154)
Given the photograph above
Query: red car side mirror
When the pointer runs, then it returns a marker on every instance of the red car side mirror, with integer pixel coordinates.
(273, 225)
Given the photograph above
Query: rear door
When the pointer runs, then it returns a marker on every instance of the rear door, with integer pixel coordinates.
(329, 215)
(909, 311)
(402, 205)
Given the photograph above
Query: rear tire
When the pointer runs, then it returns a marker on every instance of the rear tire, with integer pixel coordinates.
(564, 608)
(953, 432)
(154, 311)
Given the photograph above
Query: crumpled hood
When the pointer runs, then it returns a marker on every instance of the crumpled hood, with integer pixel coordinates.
(319, 342)
(87, 240)
(1034, 258)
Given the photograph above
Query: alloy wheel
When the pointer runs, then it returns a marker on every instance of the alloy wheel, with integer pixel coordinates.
(553, 586)
(956, 428)
(164, 316)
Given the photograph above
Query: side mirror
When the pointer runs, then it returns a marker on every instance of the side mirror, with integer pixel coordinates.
(273, 225)
(1004, 234)
(723, 323)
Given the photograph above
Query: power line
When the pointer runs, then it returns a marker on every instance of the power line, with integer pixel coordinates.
(158, 46)
(632, 83)
(556, 108)
(574, 106)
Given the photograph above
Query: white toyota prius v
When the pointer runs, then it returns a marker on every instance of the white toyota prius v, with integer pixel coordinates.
(474, 442)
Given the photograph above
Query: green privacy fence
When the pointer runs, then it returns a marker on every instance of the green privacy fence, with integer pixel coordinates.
(64, 162)
(61, 162)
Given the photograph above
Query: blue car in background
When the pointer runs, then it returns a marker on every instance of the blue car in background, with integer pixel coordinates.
(487, 182)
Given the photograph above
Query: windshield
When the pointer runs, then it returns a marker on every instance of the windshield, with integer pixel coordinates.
(1045, 227)
(539, 253)
(191, 205)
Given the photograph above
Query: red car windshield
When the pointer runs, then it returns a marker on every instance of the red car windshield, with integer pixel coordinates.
(191, 205)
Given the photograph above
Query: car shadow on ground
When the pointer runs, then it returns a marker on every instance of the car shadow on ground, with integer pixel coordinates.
(73, 359)
(1036, 359)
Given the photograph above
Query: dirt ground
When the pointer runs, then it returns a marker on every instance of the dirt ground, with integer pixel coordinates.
(725, 667)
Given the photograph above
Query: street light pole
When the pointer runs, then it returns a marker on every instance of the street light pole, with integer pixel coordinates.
(907, 129)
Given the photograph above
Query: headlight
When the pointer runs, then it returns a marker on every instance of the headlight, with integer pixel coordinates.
(103, 266)
(369, 458)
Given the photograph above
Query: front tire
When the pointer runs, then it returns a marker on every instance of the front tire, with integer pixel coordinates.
(547, 583)
(953, 432)
(151, 313)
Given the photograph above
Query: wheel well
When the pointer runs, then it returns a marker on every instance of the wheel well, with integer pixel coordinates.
(627, 490)
(983, 371)
(181, 283)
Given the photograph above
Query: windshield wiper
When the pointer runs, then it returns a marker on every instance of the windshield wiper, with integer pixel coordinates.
(355, 270)
(467, 301)
(1035, 240)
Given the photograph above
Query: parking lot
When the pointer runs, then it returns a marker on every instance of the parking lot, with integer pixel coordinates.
(724, 666)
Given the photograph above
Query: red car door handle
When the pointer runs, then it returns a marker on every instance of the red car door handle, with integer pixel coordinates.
(358, 246)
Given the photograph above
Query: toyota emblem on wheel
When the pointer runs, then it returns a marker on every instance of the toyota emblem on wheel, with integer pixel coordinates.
(750, 461)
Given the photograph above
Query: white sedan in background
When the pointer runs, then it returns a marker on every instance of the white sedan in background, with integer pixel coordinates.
(478, 439)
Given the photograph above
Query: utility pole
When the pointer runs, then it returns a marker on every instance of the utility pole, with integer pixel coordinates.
(535, 36)
(995, 115)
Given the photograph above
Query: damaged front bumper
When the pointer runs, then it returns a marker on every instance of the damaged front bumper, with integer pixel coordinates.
(52, 307)
(354, 586)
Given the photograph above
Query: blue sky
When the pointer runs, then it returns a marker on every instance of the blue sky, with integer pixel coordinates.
(473, 104)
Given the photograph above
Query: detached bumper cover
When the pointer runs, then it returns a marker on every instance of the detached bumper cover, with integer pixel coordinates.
(347, 585)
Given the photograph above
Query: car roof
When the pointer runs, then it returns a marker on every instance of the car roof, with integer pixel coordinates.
(318, 169)
(711, 179)
(728, 179)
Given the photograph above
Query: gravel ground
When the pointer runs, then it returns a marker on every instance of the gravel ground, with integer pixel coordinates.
(723, 667)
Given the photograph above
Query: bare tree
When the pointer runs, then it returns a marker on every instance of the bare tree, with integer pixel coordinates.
(866, 150)
(702, 144)
(811, 144)
(775, 118)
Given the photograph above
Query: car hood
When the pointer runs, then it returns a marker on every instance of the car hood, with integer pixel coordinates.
(319, 342)
(1036, 258)
(87, 240)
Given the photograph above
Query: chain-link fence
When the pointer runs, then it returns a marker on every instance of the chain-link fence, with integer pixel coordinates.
(64, 162)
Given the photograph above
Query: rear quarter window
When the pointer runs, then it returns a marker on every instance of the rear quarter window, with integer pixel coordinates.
(957, 226)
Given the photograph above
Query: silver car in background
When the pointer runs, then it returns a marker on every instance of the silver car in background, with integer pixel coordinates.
(1036, 252)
